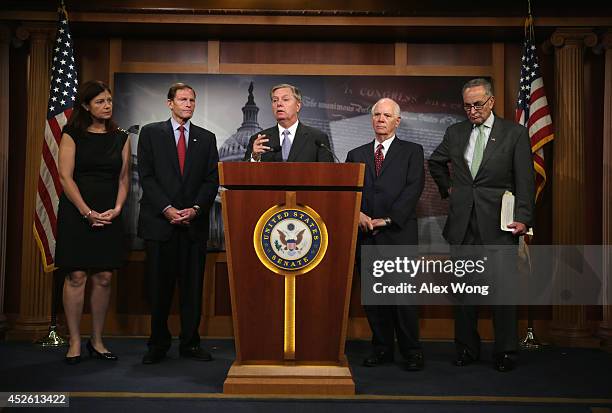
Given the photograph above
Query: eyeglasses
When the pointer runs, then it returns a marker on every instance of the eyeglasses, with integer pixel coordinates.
(477, 106)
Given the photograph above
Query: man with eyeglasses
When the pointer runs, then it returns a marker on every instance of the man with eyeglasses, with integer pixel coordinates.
(489, 155)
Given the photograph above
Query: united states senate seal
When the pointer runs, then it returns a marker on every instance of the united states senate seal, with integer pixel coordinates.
(290, 240)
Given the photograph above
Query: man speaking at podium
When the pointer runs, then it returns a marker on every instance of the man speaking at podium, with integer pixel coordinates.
(290, 140)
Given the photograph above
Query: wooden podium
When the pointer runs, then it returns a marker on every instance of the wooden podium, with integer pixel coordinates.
(290, 234)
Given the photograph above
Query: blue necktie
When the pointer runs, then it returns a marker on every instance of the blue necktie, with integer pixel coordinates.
(286, 148)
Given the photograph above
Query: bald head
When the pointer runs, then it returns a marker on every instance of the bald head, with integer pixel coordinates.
(385, 118)
(396, 108)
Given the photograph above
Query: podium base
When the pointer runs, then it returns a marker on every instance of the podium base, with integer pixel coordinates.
(301, 380)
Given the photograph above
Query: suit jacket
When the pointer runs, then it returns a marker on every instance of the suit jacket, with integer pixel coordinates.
(303, 148)
(394, 193)
(163, 185)
(506, 166)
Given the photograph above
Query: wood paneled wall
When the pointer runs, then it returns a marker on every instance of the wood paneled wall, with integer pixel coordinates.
(392, 59)
(103, 56)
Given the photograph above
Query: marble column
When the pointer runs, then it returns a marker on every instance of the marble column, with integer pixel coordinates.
(569, 325)
(605, 328)
(35, 298)
(5, 41)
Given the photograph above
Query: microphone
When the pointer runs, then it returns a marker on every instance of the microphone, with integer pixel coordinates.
(324, 146)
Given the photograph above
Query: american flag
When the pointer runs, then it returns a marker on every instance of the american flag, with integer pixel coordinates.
(532, 110)
(62, 94)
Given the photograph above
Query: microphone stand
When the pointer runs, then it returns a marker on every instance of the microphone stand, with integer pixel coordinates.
(324, 146)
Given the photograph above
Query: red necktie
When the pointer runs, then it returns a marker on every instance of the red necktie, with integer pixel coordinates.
(379, 158)
(181, 148)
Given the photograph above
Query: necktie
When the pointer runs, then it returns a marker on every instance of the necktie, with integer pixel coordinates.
(379, 158)
(286, 148)
(478, 151)
(181, 148)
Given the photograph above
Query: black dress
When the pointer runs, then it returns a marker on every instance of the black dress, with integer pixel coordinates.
(97, 165)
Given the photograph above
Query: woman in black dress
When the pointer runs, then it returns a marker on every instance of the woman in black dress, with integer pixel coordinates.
(93, 162)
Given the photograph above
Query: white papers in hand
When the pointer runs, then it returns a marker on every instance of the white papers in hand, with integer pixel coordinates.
(507, 212)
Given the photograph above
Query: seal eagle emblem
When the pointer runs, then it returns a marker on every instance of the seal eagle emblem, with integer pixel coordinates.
(290, 240)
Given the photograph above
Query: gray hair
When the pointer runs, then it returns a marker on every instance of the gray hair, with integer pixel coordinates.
(294, 90)
(479, 82)
(396, 108)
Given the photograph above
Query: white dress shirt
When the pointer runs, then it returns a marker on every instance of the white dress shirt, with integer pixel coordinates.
(292, 129)
(385, 145)
(177, 132)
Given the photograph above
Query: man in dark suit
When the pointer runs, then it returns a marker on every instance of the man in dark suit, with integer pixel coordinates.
(177, 164)
(289, 140)
(489, 155)
(394, 180)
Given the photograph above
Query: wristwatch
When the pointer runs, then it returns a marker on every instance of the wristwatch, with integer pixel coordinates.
(196, 208)
(387, 221)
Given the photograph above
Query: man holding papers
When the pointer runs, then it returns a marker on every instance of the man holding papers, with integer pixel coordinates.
(489, 156)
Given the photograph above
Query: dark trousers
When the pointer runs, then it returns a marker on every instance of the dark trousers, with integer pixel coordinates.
(390, 321)
(177, 259)
(466, 316)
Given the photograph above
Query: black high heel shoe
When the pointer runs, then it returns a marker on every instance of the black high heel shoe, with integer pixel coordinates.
(71, 361)
(101, 356)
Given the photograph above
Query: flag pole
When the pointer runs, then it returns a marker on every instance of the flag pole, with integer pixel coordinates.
(53, 338)
(530, 342)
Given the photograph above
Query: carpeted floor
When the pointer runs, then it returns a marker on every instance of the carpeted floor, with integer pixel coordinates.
(307, 406)
(552, 380)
